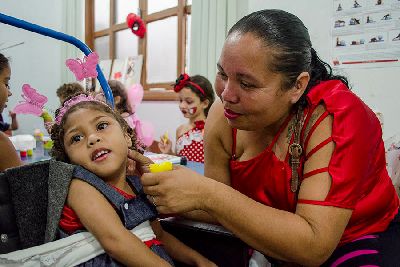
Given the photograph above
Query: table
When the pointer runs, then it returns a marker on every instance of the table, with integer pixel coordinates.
(36, 156)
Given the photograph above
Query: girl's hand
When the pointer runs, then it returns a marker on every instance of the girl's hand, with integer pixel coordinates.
(177, 191)
(165, 145)
(203, 262)
(13, 115)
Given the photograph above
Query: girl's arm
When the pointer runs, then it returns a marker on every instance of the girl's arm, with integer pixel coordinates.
(100, 218)
(8, 156)
(178, 250)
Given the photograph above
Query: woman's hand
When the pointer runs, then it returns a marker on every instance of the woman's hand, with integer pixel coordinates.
(177, 191)
(137, 163)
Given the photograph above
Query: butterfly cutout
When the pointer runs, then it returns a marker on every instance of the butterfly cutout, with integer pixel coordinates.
(85, 68)
(33, 102)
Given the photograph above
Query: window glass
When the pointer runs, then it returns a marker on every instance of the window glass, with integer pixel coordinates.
(126, 44)
(101, 46)
(162, 50)
(123, 8)
(188, 41)
(101, 14)
(158, 5)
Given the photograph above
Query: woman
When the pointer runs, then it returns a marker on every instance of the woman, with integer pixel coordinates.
(8, 157)
(296, 161)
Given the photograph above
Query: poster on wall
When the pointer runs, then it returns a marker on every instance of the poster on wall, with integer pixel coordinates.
(366, 33)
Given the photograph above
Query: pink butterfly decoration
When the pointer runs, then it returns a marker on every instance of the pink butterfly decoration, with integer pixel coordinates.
(33, 104)
(85, 68)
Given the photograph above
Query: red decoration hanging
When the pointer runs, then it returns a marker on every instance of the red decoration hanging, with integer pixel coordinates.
(136, 24)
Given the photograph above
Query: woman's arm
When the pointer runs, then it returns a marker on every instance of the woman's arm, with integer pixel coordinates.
(307, 237)
(178, 250)
(100, 218)
(8, 156)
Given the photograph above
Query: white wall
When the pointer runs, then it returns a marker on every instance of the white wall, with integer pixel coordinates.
(39, 61)
(378, 87)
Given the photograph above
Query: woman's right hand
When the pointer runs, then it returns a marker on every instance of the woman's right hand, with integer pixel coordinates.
(165, 145)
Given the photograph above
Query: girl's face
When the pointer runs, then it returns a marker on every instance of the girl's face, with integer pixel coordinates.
(5, 92)
(96, 141)
(251, 93)
(190, 104)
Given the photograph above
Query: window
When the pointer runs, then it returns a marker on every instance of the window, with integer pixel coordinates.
(165, 47)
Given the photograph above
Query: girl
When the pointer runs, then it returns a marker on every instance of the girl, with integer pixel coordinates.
(101, 199)
(9, 157)
(195, 96)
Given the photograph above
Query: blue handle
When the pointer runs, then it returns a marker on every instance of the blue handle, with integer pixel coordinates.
(63, 37)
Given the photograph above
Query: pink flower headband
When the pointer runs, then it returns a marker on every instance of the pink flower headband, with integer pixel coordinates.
(183, 81)
(72, 102)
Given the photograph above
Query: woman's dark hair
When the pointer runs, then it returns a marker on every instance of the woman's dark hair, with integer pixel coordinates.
(4, 62)
(118, 89)
(57, 131)
(205, 84)
(292, 48)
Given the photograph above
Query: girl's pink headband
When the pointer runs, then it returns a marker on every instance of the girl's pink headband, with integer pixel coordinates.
(183, 81)
(72, 102)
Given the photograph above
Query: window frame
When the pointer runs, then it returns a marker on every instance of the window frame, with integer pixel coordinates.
(181, 11)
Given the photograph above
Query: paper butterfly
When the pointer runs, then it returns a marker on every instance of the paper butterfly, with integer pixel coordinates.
(85, 68)
(33, 104)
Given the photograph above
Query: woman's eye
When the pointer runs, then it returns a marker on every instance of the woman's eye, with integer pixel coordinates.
(76, 138)
(222, 75)
(245, 85)
(102, 125)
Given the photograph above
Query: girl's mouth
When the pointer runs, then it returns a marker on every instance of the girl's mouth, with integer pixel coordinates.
(230, 114)
(100, 154)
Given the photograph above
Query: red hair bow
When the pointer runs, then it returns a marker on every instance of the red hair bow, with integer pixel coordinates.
(183, 81)
(136, 24)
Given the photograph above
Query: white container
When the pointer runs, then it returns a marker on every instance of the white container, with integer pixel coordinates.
(23, 142)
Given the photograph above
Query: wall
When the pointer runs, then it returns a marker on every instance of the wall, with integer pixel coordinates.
(40, 60)
(378, 87)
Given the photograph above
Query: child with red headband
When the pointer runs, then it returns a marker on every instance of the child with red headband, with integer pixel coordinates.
(195, 98)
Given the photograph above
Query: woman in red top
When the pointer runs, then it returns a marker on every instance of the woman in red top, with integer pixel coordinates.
(295, 159)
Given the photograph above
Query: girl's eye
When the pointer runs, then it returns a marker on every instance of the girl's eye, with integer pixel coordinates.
(76, 138)
(102, 125)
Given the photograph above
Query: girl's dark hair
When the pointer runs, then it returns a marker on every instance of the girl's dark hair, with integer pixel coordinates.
(69, 89)
(57, 131)
(292, 51)
(4, 62)
(205, 84)
(118, 89)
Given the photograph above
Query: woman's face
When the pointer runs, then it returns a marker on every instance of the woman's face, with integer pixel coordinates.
(251, 93)
(5, 92)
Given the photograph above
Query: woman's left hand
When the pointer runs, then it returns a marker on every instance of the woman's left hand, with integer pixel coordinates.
(177, 191)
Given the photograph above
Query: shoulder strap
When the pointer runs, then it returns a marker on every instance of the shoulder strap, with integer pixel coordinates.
(112, 196)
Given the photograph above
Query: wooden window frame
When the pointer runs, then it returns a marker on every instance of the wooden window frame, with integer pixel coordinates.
(181, 11)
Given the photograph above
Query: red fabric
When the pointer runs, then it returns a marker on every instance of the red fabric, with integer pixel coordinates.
(70, 222)
(191, 144)
(358, 168)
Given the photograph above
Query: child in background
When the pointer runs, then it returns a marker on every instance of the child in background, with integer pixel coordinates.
(8, 128)
(63, 92)
(101, 198)
(196, 96)
(8, 156)
(125, 107)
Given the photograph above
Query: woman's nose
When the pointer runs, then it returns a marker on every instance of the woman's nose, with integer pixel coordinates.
(229, 93)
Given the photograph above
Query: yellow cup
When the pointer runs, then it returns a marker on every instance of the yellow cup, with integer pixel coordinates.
(161, 167)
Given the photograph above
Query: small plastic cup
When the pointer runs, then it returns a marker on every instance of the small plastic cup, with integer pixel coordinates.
(29, 152)
(23, 153)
